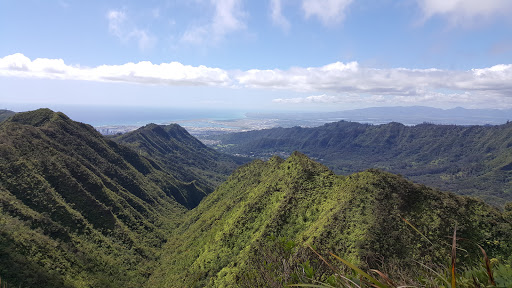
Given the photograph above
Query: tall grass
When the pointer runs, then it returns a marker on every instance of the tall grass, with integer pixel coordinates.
(462, 277)
(4, 284)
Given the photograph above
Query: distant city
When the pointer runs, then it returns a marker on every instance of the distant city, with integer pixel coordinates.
(203, 127)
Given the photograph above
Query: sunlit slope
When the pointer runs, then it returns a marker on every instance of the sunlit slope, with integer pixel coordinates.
(5, 114)
(186, 157)
(247, 229)
(78, 210)
(468, 160)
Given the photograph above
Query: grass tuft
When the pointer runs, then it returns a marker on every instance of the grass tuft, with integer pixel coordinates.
(487, 266)
(454, 256)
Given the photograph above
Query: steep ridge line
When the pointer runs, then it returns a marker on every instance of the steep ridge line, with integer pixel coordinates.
(251, 232)
(468, 160)
(77, 209)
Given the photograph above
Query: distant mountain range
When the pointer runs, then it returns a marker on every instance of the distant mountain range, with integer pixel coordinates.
(78, 209)
(408, 115)
(468, 160)
(4, 114)
(184, 156)
(251, 231)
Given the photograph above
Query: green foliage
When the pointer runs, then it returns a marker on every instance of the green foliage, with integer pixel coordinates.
(249, 232)
(5, 114)
(474, 275)
(467, 160)
(308, 270)
(187, 159)
(78, 210)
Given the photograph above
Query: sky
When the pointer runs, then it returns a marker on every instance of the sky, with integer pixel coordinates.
(307, 55)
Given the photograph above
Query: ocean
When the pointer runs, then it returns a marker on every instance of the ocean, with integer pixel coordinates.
(138, 116)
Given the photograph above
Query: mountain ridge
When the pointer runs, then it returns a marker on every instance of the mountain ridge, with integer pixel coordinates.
(449, 157)
(409, 115)
(5, 114)
(178, 151)
(263, 215)
(78, 209)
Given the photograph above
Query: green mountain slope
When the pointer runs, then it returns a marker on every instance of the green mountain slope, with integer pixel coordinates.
(468, 160)
(78, 210)
(179, 152)
(252, 230)
(4, 114)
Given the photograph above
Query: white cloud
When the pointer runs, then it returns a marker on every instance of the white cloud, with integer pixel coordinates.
(428, 99)
(144, 40)
(350, 82)
(465, 12)
(196, 35)
(228, 17)
(174, 73)
(334, 83)
(116, 20)
(277, 15)
(299, 79)
(328, 11)
(310, 99)
(118, 26)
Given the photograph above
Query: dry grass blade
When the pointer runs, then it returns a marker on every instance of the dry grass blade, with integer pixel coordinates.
(454, 255)
(349, 281)
(476, 283)
(458, 240)
(416, 229)
(330, 266)
(322, 283)
(488, 266)
(385, 277)
(320, 256)
(308, 285)
(361, 272)
(435, 273)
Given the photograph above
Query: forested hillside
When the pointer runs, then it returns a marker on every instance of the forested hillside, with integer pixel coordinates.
(251, 232)
(4, 114)
(179, 152)
(468, 160)
(78, 210)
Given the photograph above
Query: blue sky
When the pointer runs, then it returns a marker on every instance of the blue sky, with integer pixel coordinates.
(268, 55)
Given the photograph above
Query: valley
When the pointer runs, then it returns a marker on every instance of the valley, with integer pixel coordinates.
(256, 144)
(156, 207)
(467, 160)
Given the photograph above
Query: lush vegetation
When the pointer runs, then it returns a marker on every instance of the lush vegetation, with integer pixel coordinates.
(253, 231)
(81, 210)
(4, 114)
(78, 210)
(468, 160)
(183, 155)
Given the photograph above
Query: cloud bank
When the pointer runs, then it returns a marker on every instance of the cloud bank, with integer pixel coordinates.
(465, 12)
(119, 27)
(174, 73)
(277, 15)
(328, 11)
(227, 18)
(333, 83)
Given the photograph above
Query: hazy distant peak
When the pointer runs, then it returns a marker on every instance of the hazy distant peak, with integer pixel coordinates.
(6, 114)
(38, 117)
